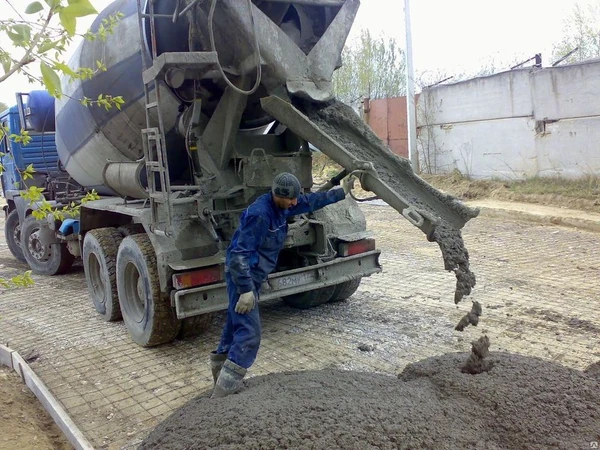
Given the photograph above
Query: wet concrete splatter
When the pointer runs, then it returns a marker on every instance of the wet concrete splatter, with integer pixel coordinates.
(476, 363)
(520, 402)
(471, 318)
(341, 123)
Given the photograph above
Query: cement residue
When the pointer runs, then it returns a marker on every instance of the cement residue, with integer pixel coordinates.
(521, 402)
(341, 123)
(574, 323)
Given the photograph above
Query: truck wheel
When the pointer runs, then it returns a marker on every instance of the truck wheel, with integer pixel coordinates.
(43, 258)
(100, 249)
(345, 290)
(147, 313)
(12, 233)
(309, 299)
(131, 229)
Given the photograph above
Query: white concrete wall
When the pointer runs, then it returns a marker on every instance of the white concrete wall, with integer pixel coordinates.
(499, 96)
(569, 148)
(500, 148)
(517, 124)
(566, 92)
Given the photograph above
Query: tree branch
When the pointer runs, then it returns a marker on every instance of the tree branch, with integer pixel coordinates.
(27, 57)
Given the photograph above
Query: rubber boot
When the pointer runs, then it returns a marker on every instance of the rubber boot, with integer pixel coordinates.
(216, 363)
(229, 381)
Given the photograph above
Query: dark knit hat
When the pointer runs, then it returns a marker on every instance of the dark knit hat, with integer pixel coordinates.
(286, 185)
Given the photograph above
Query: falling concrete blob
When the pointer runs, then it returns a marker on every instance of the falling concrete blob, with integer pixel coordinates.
(341, 123)
(520, 402)
(471, 318)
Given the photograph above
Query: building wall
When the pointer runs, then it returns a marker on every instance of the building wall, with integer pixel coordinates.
(387, 118)
(515, 124)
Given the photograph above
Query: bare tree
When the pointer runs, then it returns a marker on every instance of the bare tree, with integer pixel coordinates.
(581, 31)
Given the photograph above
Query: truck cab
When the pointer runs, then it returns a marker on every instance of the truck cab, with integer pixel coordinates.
(33, 113)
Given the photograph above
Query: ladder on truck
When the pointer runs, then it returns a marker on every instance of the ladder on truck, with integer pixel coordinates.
(153, 136)
(155, 68)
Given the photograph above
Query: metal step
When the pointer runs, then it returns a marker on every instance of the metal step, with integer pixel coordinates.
(153, 165)
(151, 133)
(158, 197)
(193, 64)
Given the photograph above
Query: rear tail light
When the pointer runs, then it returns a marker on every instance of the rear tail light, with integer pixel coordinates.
(199, 277)
(356, 247)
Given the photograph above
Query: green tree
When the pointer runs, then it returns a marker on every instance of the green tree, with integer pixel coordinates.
(39, 35)
(581, 31)
(372, 67)
(3, 107)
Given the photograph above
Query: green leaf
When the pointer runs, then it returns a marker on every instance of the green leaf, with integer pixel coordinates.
(65, 69)
(39, 215)
(19, 34)
(33, 8)
(6, 63)
(52, 3)
(80, 8)
(23, 30)
(48, 45)
(68, 21)
(51, 79)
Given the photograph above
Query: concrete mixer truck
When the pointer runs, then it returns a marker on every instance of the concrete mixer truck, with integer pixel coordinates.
(220, 96)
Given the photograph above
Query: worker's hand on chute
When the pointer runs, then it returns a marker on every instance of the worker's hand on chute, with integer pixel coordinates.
(245, 303)
(347, 183)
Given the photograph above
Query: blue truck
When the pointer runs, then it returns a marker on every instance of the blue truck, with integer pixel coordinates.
(33, 113)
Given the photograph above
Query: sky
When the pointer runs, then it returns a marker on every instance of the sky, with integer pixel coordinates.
(447, 36)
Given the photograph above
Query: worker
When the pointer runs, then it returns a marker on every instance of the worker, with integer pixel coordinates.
(250, 258)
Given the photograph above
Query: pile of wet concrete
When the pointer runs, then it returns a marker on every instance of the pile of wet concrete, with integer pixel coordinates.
(510, 402)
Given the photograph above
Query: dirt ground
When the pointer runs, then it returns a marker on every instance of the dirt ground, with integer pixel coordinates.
(24, 423)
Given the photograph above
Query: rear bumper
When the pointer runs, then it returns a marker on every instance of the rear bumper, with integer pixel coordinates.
(205, 299)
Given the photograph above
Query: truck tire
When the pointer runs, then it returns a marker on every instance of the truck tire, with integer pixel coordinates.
(100, 248)
(131, 229)
(12, 233)
(147, 313)
(345, 290)
(43, 259)
(309, 299)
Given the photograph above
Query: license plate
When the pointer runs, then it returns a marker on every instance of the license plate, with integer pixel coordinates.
(297, 279)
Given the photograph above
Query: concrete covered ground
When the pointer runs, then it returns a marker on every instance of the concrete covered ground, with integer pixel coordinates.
(537, 284)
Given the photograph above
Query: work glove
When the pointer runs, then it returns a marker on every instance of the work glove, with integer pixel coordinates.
(347, 183)
(245, 303)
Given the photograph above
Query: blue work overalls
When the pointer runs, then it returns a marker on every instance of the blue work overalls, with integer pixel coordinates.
(251, 257)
